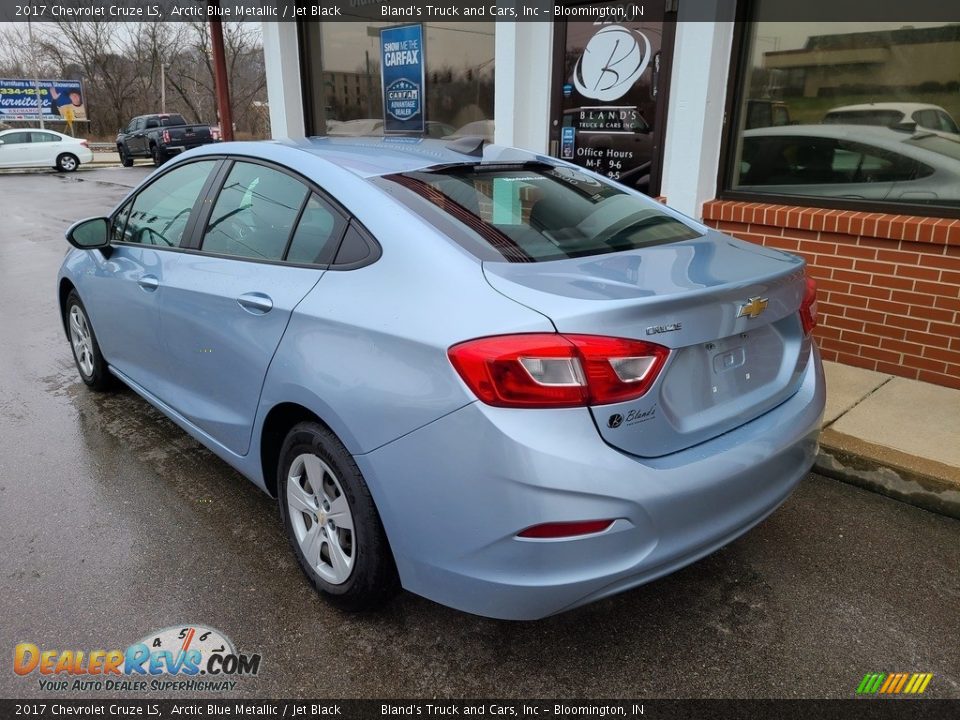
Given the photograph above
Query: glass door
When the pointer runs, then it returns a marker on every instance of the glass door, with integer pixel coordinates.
(610, 90)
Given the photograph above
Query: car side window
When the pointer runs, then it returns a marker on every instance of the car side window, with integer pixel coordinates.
(946, 123)
(317, 234)
(160, 212)
(119, 223)
(42, 137)
(354, 248)
(153, 123)
(16, 138)
(787, 161)
(254, 213)
(855, 162)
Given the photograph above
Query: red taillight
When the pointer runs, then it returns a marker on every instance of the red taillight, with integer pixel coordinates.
(808, 308)
(84, 143)
(565, 529)
(544, 370)
(166, 136)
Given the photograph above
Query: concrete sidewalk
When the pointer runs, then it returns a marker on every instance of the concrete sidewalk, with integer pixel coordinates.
(894, 436)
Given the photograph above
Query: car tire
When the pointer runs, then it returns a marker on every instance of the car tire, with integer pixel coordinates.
(66, 162)
(157, 156)
(125, 158)
(90, 362)
(332, 522)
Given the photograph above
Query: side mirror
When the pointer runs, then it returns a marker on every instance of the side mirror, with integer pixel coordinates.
(89, 234)
(1, 142)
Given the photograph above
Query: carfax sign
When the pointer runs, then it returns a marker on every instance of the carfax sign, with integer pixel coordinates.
(402, 78)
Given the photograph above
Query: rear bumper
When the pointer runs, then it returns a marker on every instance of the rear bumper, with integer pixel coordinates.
(453, 495)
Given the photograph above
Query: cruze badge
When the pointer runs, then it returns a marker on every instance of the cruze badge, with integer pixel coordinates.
(753, 307)
(657, 329)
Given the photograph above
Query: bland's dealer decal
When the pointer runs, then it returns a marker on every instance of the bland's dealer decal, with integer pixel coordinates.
(611, 63)
(183, 658)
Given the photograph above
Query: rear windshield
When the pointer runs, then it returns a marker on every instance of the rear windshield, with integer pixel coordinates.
(537, 212)
(172, 120)
(864, 117)
(936, 143)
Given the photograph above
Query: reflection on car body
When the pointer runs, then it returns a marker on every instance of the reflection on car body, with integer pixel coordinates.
(441, 363)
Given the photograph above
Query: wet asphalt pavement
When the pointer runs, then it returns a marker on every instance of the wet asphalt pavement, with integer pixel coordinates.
(115, 523)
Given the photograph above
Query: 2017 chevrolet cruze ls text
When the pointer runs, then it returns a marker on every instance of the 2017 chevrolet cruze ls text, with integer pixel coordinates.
(487, 376)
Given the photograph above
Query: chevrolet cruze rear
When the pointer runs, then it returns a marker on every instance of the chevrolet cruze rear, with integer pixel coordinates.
(489, 377)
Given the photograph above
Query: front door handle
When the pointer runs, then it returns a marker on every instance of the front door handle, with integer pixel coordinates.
(149, 283)
(256, 303)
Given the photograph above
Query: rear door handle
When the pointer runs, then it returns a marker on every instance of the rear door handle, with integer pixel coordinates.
(148, 283)
(256, 303)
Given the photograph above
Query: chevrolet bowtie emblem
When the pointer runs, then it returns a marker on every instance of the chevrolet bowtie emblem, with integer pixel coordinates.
(753, 307)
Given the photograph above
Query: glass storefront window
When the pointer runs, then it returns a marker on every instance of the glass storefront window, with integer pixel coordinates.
(344, 91)
(856, 114)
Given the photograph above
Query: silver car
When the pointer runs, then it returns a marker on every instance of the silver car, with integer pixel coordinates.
(851, 161)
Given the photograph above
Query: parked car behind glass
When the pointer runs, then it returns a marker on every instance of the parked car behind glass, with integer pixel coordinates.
(852, 161)
(499, 381)
(891, 114)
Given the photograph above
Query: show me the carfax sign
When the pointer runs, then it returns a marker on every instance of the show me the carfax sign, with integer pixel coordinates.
(402, 77)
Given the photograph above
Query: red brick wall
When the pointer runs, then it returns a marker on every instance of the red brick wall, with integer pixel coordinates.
(888, 285)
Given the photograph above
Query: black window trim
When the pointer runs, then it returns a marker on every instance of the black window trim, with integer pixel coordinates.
(188, 228)
(739, 62)
(193, 231)
(195, 246)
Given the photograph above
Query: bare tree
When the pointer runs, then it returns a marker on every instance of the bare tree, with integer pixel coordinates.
(119, 64)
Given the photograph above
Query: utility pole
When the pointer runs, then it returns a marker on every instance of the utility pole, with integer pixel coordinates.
(163, 87)
(33, 61)
(220, 75)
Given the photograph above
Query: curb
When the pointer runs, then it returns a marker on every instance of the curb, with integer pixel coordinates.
(917, 481)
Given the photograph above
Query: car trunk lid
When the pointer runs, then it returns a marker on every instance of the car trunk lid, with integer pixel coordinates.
(726, 309)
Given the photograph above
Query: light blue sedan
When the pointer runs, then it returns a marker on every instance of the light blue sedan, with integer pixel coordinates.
(485, 375)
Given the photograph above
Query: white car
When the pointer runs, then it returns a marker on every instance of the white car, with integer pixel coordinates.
(42, 148)
(889, 114)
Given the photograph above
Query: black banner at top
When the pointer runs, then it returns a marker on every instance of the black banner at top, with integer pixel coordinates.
(476, 10)
(864, 709)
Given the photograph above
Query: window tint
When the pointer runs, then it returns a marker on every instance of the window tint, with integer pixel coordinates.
(536, 212)
(172, 120)
(927, 119)
(161, 210)
(42, 137)
(946, 123)
(884, 118)
(317, 233)
(817, 161)
(152, 123)
(254, 213)
(16, 138)
(353, 249)
(119, 224)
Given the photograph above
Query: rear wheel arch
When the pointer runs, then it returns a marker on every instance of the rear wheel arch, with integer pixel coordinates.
(279, 421)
